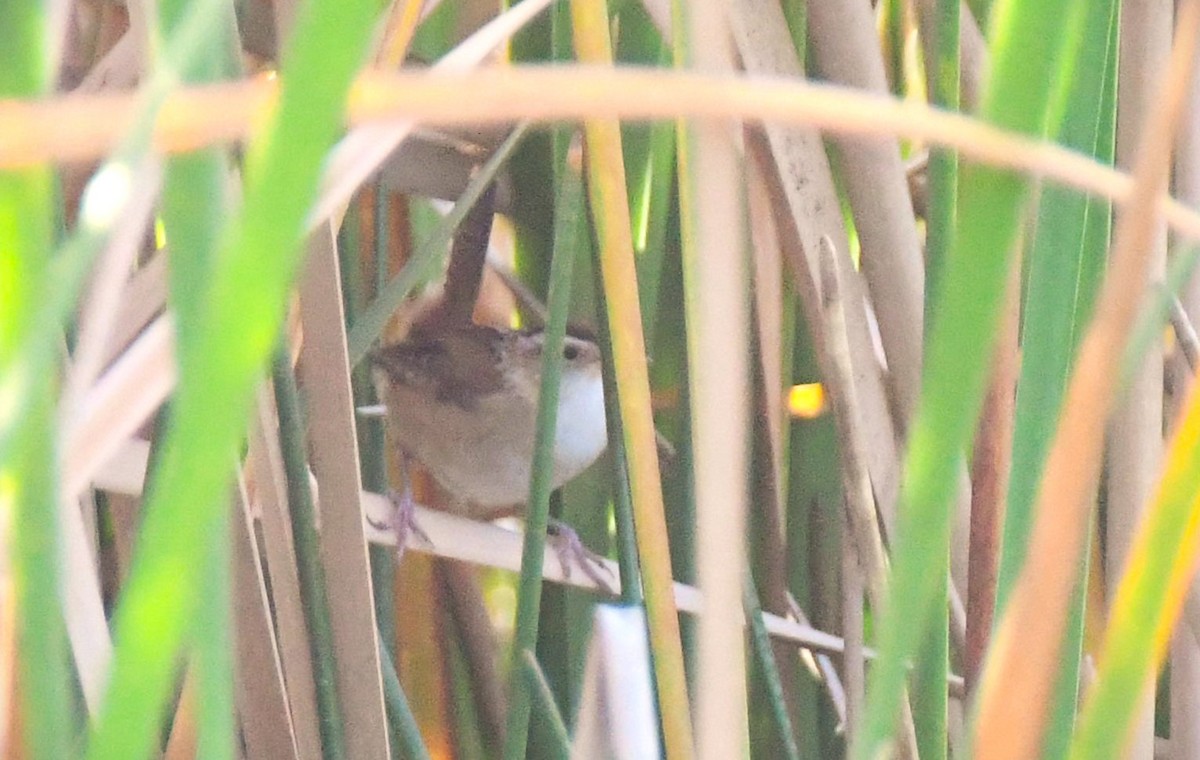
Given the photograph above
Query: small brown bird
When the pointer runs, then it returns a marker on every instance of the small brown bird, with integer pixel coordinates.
(462, 400)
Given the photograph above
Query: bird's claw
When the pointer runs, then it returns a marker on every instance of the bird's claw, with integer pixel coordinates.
(571, 551)
(403, 521)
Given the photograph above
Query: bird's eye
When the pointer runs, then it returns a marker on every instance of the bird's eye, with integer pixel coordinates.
(570, 353)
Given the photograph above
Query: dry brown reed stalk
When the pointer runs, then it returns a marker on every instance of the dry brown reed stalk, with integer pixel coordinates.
(717, 310)
(989, 484)
(793, 164)
(858, 498)
(845, 51)
(265, 472)
(451, 537)
(268, 726)
(768, 559)
(1135, 434)
(1026, 648)
(333, 444)
(853, 664)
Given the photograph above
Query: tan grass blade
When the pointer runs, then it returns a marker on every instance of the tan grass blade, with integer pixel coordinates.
(609, 205)
(263, 711)
(325, 369)
(265, 473)
(119, 403)
(144, 298)
(845, 50)
(483, 544)
(853, 664)
(87, 628)
(119, 69)
(101, 307)
(864, 533)
(361, 152)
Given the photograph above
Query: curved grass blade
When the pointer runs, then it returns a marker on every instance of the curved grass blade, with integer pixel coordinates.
(28, 385)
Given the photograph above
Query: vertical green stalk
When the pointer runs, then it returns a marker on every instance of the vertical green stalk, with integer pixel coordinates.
(400, 715)
(308, 557)
(543, 702)
(764, 657)
(29, 483)
(1066, 263)
(814, 504)
(222, 357)
(194, 202)
(796, 13)
(929, 698)
(566, 231)
(213, 648)
(194, 205)
(627, 564)
(383, 230)
(371, 441)
(28, 477)
(1034, 46)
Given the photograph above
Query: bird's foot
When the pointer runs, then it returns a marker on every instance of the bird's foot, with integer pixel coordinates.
(403, 522)
(572, 552)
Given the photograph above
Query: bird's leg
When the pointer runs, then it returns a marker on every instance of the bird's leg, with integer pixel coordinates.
(571, 551)
(403, 521)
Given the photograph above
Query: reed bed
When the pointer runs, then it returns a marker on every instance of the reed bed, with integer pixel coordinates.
(895, 306)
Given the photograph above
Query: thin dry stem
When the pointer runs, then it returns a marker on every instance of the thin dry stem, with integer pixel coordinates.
(265, 471)
(77, 128)
(1185, 334)
(1135, 433)
(859, 501)
(853, 664)
(266, 718)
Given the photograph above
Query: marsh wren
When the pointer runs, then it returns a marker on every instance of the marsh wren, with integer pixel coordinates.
(462, 400)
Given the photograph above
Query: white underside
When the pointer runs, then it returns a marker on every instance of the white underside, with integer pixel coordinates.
(483, 456)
